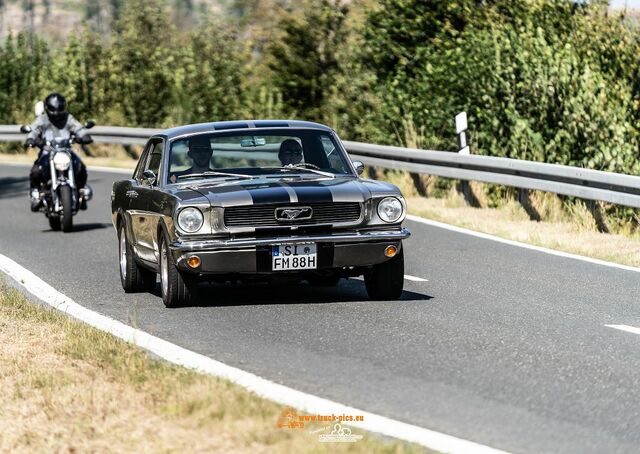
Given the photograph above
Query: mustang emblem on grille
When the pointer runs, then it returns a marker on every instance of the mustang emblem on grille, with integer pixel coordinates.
(293, 214)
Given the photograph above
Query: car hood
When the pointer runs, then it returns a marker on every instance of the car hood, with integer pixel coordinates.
(291, 191)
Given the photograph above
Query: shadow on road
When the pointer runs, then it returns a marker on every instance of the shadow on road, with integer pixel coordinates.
(351, 290)
(77, 228)
(90, 226)
(11, 187)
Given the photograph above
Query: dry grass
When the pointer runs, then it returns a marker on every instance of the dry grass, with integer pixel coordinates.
(568, 228)
(69, 387)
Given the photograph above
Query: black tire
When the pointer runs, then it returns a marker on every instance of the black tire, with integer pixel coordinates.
(66, 219)
(178, 289)
(54, 223)
(133, 277)
(386, 280)
(323, 281)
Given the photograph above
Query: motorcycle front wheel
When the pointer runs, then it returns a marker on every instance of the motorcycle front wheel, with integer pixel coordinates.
(66, 201)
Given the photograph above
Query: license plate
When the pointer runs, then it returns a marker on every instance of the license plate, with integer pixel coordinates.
(294, 257)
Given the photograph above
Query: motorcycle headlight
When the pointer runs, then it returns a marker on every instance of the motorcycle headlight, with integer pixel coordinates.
(390, 209)
(190, 220)
(61, 161)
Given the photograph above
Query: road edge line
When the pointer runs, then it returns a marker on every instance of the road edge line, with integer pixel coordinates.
(626, 328)
(262, 387)
(487, 236)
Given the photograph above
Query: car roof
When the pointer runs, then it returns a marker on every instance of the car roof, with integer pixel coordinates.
(240, 124)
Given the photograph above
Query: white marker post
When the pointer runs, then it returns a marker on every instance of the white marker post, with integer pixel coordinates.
(463, 148)
(461, 130)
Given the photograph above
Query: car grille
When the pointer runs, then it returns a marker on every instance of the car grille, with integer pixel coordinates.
(264, 215)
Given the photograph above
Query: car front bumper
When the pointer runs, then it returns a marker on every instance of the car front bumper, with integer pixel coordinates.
(253, 255)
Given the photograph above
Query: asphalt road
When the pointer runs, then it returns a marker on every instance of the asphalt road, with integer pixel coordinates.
(503, 346)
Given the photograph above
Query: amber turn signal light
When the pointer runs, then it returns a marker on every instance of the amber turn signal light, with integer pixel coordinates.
(390, 251)
(193, 261)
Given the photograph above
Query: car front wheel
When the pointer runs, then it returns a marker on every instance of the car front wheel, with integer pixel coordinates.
(386, 280)
(133, 277)
(177, 289)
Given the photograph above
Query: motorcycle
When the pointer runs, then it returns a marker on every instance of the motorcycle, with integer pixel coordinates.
(60, 197)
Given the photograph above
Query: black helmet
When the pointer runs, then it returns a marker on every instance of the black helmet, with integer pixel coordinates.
(56, 108)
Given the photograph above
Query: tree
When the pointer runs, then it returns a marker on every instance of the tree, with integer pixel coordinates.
(208, 78)
(142, 64)
(76, 71)
(304, 62)
(21, 77)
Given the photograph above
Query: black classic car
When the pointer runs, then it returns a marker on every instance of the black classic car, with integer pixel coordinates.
(273, 201)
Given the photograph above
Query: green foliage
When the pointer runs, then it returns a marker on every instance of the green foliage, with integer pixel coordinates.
(547, 80)
(304, 64)
(544, 80)
(208, 76)
(21, 76)
(142, 65)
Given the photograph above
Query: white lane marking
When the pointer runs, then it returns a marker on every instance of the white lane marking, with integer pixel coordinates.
(627, 328)
(414, 278)
(486, 236)
(262, 387)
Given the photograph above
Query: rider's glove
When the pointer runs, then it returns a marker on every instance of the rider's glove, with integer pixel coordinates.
(29, 143)
(84, 140)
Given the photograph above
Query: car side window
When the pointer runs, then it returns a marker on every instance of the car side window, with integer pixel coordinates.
(155, 159)
(333, 156)
(142, 163)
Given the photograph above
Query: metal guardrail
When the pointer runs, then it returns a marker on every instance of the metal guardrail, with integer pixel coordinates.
(588, 184)
(101, 134)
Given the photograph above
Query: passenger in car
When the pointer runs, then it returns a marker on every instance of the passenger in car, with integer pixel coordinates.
(200, 153)
(290, 152)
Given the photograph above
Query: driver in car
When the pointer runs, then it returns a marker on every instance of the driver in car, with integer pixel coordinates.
(56, 122)
(290, 152)
(200, 152)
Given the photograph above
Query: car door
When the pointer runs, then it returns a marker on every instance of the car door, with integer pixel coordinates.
(129, 196)
(144, 220)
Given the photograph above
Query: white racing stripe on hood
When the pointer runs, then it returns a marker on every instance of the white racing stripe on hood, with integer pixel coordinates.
(349, 191)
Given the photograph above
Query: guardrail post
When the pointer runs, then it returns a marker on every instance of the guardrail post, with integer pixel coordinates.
(418, 184)
(596, 211)
(523, 199)
(130, 151)
(463, 148)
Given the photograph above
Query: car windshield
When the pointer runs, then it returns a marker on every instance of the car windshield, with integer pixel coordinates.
(287, 152)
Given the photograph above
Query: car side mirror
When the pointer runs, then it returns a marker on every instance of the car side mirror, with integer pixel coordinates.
(25, 129)
(359, 166)
(149, 177)
(89, 124)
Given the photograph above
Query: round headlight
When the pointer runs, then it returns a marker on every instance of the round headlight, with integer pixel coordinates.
(390, 209)
(190, 220)
(61, 161)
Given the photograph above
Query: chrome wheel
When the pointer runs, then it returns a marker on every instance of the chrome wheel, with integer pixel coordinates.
(164, 271)
(123, 254)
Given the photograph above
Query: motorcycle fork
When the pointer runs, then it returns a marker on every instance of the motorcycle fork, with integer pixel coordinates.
(59, 180)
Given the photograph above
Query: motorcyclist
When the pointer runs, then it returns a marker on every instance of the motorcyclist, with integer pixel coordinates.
(56, 122)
